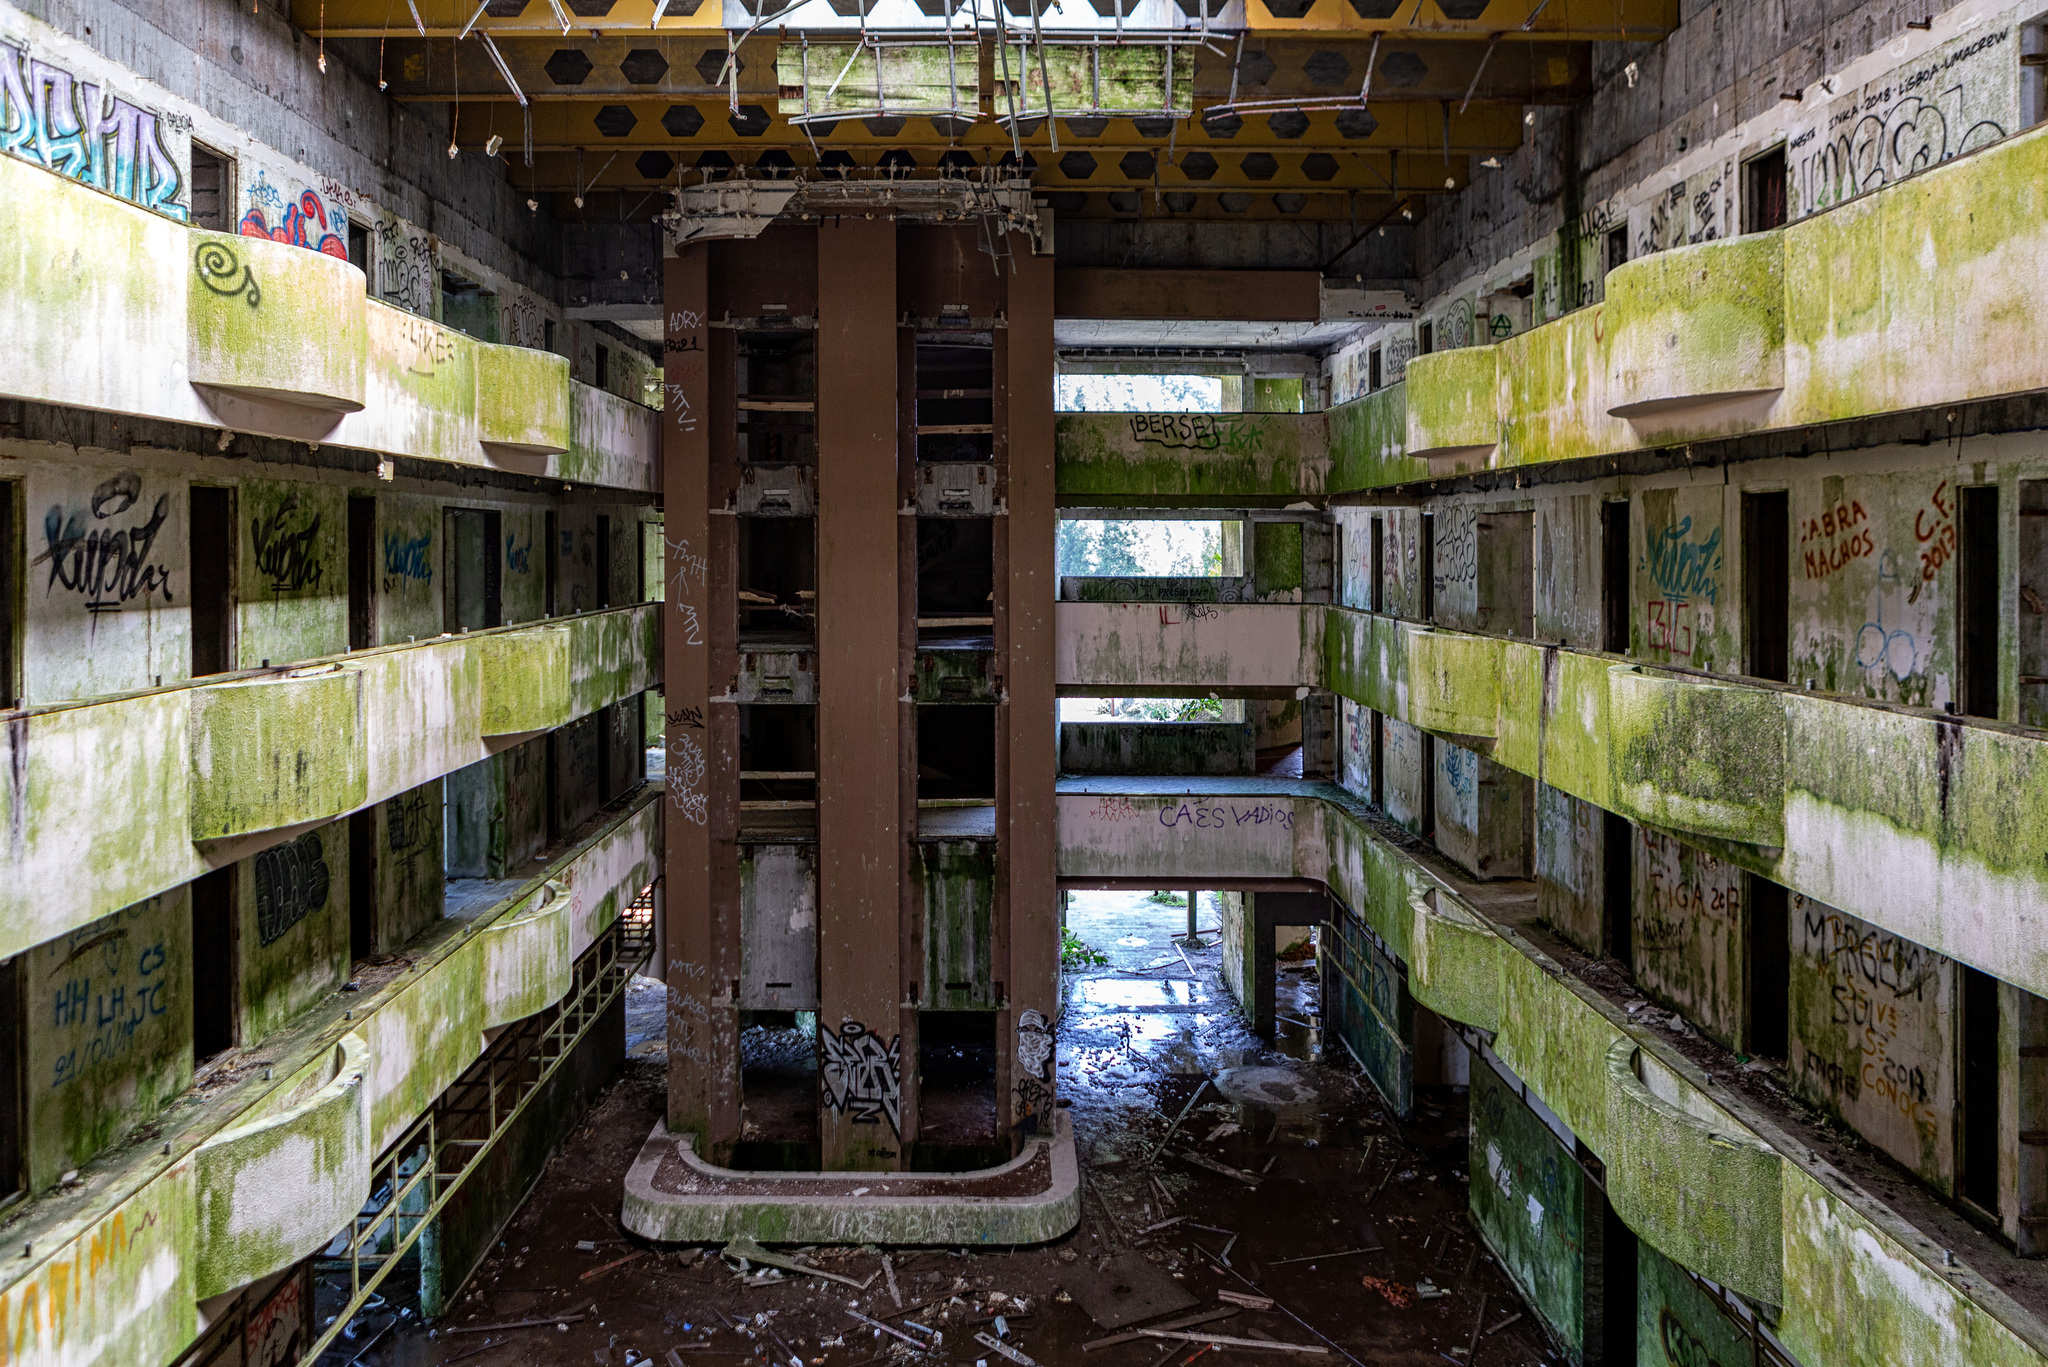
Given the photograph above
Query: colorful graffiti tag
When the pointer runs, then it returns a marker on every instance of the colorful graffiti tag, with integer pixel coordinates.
(303, 221)
(81, 129)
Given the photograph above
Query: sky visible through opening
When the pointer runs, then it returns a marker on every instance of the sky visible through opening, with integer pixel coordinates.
(1140, 394)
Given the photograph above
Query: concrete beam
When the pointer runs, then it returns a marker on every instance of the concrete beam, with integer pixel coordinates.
(1105, 293)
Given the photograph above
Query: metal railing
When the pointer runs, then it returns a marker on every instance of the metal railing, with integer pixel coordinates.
(416, 1177)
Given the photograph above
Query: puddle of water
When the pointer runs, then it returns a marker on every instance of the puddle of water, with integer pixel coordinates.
(1138, 992)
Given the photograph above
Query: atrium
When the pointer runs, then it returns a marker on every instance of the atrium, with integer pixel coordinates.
(953, 683)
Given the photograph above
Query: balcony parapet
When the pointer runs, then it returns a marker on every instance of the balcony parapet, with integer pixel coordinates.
(1703, 758)
(1696, 336)
(1692, 1165)
(1187, 645)
(1454, 404)
(1199, 460)
(256, 1176)
(282, 1181)
(274, 340)
(112, 796)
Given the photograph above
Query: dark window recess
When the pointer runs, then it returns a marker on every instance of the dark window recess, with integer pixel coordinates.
(956, 567)
(212, 190)
(1617, 247)
(362, 884)
(1763, 191)
(10, 595)
(213, 580)
(213, 963)
(1378, 785)
(1614, 580)
(470, 570)
(1617, 888)
(13, 1030)
(1426, 338)
(1980, 1089)
(1767, 585)
(551, 560)
(956, 1093)
(602, 571)
(362, 572)
(778, 752)
(1428, 551)
(1374, 374)
(1977, 584)
(602, 379)
(547, 334)
(955, 402)
(359, 247)
(2031, 623)
(468, 307)
(956, 751)
(551, 785)
(1428, 814)
(1770, 968)
(778, 578)
(1378, 602)
(777, 377)
(1618, 1284)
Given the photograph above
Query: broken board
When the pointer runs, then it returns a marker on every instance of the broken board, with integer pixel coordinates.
(1130, 1289)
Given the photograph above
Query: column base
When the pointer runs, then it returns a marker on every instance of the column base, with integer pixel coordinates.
(675, 1197)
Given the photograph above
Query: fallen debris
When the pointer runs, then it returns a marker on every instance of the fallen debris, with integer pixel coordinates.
(1249, 1302)
(548, 1322)
(886, 1329)
(1397, 1295)
(1223, 1341)
(1177, 1122)
(996, 1345)
(1183, 1322)
(1204, 1161)
(1503, 1324)
(1317, 1257)
(616, 1262)
(744, 1247)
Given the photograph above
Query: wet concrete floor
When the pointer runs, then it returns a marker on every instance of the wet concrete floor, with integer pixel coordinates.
(1354, 1221)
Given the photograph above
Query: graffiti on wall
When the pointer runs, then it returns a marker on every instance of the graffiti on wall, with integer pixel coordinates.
(405, 266)
(1877, 983)
(291, 883)
(1684, 569)
(406, 560)
(81, 129)
(287, 546)
(105, 551)
(274, 1335)
(1952, 100)
(1034, 1086)
(300, 217)
(861, 1075)
(109, 981)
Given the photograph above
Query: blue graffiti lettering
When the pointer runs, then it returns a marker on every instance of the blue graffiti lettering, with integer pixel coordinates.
(82, 130)
(1684, 571)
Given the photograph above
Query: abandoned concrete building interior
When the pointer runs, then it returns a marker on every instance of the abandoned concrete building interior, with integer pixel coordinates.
(834, 682)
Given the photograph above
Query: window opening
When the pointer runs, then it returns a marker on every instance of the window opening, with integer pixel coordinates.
(1767, 584)
(213, 580)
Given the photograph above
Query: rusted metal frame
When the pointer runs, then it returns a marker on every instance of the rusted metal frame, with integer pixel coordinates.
(570, 1020)
(911, 924)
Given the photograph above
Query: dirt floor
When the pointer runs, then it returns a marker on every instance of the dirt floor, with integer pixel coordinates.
(1356, 1228)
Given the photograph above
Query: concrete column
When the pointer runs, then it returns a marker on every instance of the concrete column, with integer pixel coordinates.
(703, 1080)
(859, 721)
(1027, 726)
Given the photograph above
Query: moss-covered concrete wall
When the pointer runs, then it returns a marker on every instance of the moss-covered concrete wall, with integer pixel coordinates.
(1529, 1203)
(1874, 1036)
(1142, 459)
(408, 850)
(1571, 855)
(292, 928)
(1689, 932)
(233, 308)
(1156, 747)
(108, 1040)
(1677, 1324)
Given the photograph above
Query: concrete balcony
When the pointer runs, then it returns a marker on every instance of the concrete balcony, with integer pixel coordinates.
(527, 962)
(525, 680)
(1454, 409)
(274, 752)
(317, 1132)
(111, 797)
(1696, 1167)
(276, 323)
(1901, 299)
(256, 1175)
(1696, 337)
(1186, 645)
(1703, 758)
(270, 339)
(1800, 787)
(1194, 460)
(1702, 1189)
